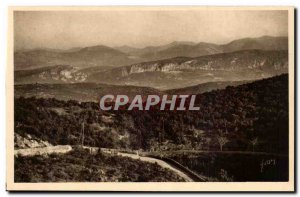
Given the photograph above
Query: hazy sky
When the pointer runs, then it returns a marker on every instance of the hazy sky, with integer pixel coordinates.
(67, 29)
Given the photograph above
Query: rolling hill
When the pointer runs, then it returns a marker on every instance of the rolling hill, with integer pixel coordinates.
(84, 57)
(93, 91)
(80, 91)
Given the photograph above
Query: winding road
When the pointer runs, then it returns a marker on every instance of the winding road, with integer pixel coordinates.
(164, 162)
(159, 162)
(66, 148)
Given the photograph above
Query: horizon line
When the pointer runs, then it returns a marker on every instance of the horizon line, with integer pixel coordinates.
(146, 46)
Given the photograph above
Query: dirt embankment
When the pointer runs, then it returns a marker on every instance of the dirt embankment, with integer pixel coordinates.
(43, 150)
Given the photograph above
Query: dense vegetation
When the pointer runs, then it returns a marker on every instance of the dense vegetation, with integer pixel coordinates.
(249, 117)
(235, 166)
(81, 166)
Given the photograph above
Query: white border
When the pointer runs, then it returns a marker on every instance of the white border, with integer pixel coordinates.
(89, 2)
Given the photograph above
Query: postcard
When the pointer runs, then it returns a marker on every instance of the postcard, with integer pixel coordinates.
(163, 98)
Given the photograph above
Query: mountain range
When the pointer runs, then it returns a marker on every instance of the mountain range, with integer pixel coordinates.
(101, 55)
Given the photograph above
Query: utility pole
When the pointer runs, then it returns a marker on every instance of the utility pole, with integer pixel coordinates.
(182, 128)
(160, 134)
(82, 134)
(163, 130)
(36, 87)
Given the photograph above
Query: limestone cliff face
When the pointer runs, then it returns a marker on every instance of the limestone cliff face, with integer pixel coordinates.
(63, 74)
(276, 60)
(42, 150)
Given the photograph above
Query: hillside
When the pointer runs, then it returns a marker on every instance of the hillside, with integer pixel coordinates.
(257, 110)
(205, 87)
(81, 166)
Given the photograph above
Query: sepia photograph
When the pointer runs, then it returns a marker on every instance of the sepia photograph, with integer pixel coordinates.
(149, 98)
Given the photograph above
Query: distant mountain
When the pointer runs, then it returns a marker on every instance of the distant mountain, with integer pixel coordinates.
(190, 49)
(262, 43)
(125, 55)
(127, 49)
(184, 71)
(154, 49)
(83, 57)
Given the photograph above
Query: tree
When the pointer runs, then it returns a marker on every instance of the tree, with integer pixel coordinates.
(222, 141)
(254, 142)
